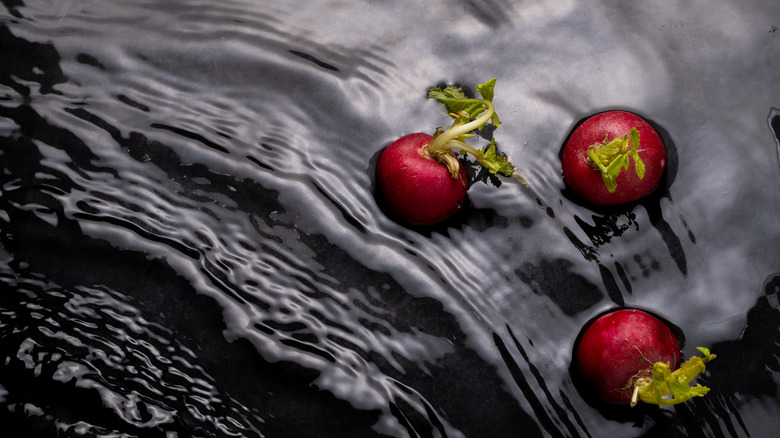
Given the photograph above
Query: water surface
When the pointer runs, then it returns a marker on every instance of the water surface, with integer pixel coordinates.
(191, 245)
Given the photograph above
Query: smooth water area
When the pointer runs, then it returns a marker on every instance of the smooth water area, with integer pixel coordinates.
(191, 245)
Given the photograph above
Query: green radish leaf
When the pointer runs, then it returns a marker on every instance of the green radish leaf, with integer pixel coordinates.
(455, 101)
(611, 157)
(446, 94)
(494, 162)
(610, 182)
(634, 139)
(626, 147)
(616, 166)
(607, 152)
(675, 383)
(639, 166)
(486, 91)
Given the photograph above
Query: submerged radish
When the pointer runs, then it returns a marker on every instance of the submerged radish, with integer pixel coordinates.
(420, 178)
(628, 355)
(613, 158)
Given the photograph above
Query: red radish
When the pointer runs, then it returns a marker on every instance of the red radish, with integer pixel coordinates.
(596, 159)
(627, 355)
(420, 178)
(417, 187)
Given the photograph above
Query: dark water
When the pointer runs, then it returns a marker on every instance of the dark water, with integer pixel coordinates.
(191, 246)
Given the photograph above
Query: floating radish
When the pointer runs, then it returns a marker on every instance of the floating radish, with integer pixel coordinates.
(628, 355)
(419, 176)
(613, 158)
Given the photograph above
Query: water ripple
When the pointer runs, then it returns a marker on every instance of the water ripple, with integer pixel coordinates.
(190, 243)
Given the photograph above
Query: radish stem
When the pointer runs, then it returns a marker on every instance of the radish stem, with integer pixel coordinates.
(470, 114)
(440, 142)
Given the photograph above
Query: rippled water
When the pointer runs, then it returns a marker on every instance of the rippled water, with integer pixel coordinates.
(191, 245)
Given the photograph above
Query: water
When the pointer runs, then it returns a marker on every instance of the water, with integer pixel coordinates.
(191, 245)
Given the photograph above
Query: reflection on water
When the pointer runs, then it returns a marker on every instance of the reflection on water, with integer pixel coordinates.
(191, 246)
(87, 359)
(774, 125)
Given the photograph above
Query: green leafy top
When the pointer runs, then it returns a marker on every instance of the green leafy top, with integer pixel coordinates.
(495, 162)
(469, 115)
(656, 390)
(613, 157)
(455, 101)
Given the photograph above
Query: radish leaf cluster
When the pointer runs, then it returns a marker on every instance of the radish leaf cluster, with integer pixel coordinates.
(612, 157)
(470, 115)
(665, 382)
(420, 178)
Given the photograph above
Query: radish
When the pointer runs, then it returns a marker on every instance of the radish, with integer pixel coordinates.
(419, 176)
(628, 355)
(596, 158)
(417, 187)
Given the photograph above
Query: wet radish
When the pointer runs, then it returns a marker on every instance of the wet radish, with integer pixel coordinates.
(420, 178)
(628, 355)
(613, 158)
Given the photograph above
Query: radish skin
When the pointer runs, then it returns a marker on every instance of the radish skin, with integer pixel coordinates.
(416, 187)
